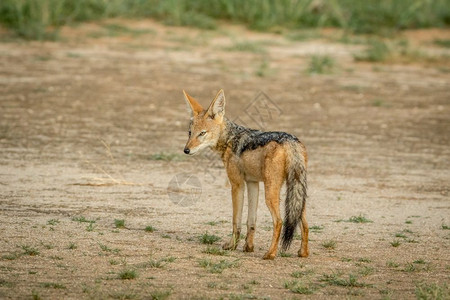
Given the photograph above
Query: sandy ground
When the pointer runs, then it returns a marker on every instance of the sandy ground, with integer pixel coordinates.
(92, 129)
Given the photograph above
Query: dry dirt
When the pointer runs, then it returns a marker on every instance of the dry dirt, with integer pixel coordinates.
(92, 128)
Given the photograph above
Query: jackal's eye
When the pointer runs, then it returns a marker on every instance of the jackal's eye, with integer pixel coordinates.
(189, 133)
(202, 133)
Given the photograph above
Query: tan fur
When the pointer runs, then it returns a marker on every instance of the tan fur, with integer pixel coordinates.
(267, 163)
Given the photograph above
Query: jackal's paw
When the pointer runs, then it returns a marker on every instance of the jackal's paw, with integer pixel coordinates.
(269, 255)
(229, 245)
(303, 252)
(248, 248)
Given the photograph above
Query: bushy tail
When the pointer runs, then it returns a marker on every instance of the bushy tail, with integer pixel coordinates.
(295, 194)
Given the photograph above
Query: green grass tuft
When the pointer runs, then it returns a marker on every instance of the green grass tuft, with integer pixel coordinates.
(377, 102)
(35, 295)
(364, 260)
(285, 254)
(160, 295)
(392, 264)
(410, 267)
(299, 274)
(321, 64)
(72, 246)
(119, 223)
(12, 256)
(155, 264)
(425, 291)
(28, 250)
(90, 227)
(395, 243)
(366, 270)
(106, 248)
(218, 267)
(330, 245)
(168, 259)
(400, 235)
(53, 222)
(334, 279)
(263, 69)
(247, 46)
(215, 251)
(299, 287)
(377, 51)
(359, 219)
(53, 285)
(316, 228)
(208, 238)
(149, 228)
(303, 35)
(128, 274)
(419, 261)
(443, 43)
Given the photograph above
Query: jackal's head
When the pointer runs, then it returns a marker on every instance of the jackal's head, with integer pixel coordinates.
(206, 125)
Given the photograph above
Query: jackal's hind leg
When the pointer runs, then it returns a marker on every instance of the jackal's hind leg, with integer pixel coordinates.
(304, 250)
(273, 203)
(274, 170)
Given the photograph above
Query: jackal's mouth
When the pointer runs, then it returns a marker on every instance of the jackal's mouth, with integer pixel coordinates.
(195, 150)
(189, 152)
(192, 153)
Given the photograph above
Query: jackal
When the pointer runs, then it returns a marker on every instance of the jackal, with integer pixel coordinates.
(251, 156)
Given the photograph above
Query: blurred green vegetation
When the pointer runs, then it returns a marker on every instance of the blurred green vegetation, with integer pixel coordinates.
(321, 64)
(40, 19)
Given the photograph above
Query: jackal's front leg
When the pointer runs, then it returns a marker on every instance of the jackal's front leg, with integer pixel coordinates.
(237, 194)
(253, 191)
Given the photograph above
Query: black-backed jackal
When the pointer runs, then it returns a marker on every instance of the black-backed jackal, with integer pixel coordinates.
(251, 156)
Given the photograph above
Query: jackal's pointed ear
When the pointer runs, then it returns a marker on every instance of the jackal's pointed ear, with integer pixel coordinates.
(217, 106)
(193, 105)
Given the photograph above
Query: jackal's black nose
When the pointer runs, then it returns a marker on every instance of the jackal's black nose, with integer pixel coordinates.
(186, 150)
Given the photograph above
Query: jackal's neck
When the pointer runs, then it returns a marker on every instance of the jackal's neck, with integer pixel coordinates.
(230, 136)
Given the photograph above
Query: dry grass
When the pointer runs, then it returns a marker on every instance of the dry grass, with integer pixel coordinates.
(108, 180)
